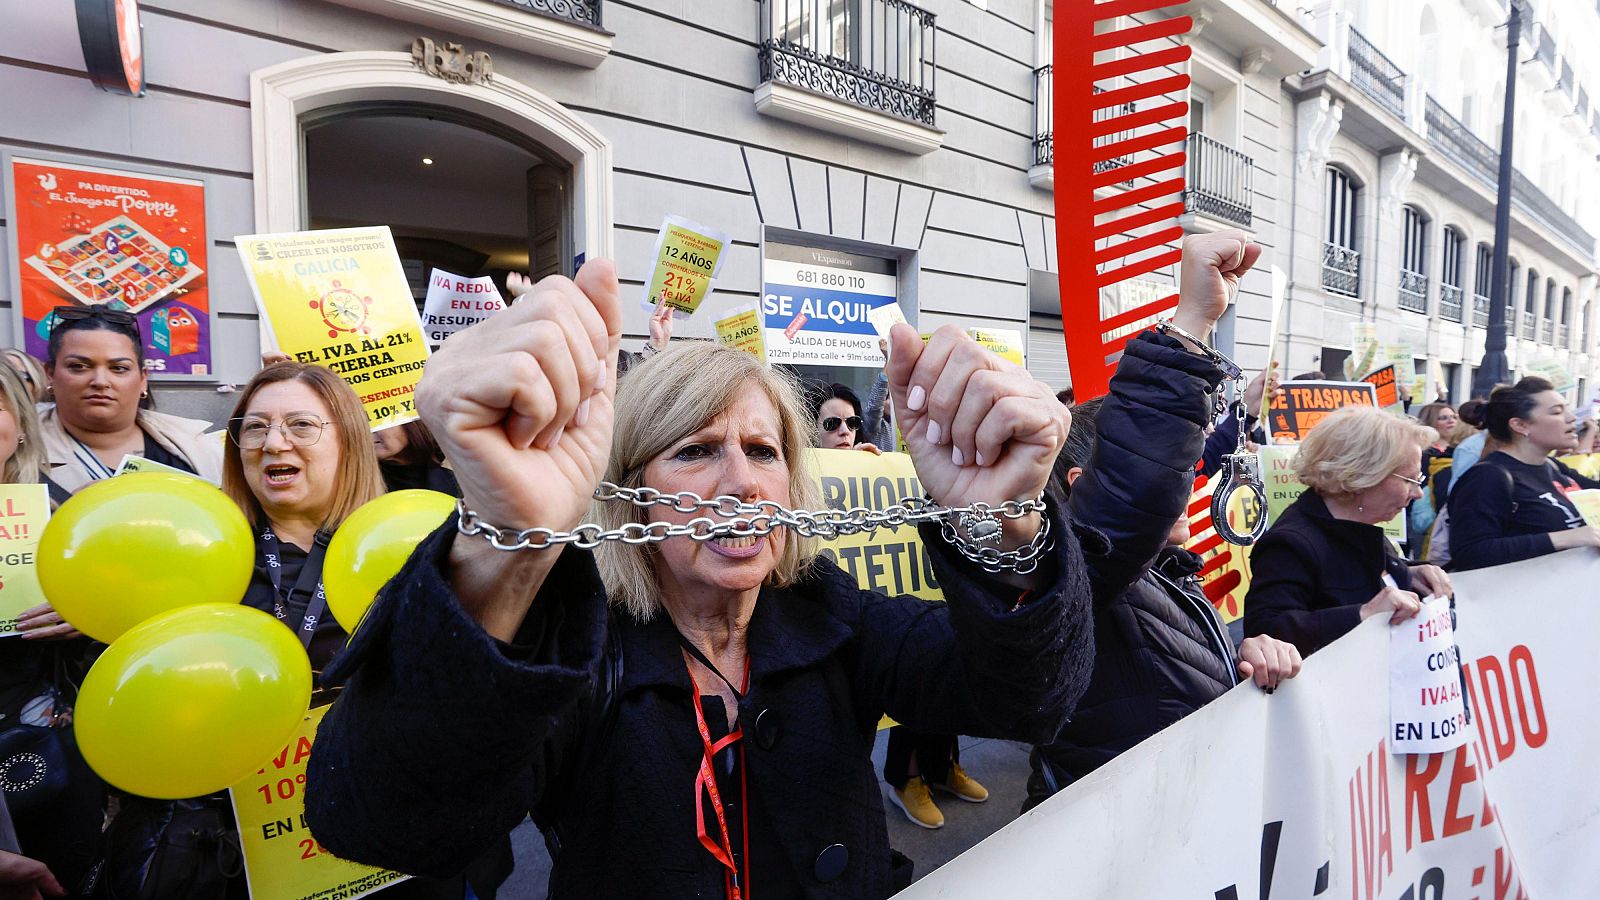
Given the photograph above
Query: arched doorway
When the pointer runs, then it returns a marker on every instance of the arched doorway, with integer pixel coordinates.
(307, 115)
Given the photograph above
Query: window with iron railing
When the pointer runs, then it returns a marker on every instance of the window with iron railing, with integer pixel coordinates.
(1341, 262)
(584, 11)
(876, 54)
(1376, 75)
(1413, 260)
(1450, 288)
(1482, 283)
(1565, 326)
(1218, 180)
(1530, 306)
(1548, 332)
(1044, 153)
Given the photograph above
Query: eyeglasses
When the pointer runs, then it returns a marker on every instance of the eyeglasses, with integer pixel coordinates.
(831, 423)
(250, 432)
(118, 317)
(1419, 482)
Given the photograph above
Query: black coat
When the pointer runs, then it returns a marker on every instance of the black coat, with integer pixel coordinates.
(1160, 650)
(1311, 572)
(446, 738)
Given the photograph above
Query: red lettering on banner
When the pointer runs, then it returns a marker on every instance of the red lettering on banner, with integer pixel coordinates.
(1371, 843)
(1522, 667)
(1462, 774)
(1420, 772)
(1503, 748)
(1491, 694)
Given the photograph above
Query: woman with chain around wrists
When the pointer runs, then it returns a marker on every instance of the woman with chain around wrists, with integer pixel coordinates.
(682, 716)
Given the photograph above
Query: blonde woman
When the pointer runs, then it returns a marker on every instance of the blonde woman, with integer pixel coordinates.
(31, 370)
(1325, 565)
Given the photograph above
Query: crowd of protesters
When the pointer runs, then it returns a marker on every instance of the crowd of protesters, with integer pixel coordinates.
(694, 717)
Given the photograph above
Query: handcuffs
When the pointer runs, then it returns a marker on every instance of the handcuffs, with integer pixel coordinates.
(1241, 469)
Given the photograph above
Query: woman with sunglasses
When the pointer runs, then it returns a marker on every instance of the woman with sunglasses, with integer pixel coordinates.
(838, 414)
(96, 364)
(1325, 565)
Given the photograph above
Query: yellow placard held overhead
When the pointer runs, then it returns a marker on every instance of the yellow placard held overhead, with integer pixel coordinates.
(282, 861)
(339, 298)
(24, 509)
(686, 261)
(741, 330)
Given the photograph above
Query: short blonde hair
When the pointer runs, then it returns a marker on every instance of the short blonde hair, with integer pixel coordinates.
(27, 465)
(359, 479)
(1356, 448)
(664, 398)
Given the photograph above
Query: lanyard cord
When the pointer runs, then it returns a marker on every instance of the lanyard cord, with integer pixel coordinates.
(97, 470)
(309, 582)
(706, 781)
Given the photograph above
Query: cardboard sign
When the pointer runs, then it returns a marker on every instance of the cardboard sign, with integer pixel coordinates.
(687, 258)
(24, 510)
(455, 302)
(126, 240)
(741, 330)
(1303, 404)
(1383, 382)
(889, 560)
(282, 861)
(1426, 711)
(339, 298)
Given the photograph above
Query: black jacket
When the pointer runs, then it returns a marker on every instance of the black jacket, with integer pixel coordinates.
(1311, 572)
(1504, 510)
(1160, 650)
(444, 738)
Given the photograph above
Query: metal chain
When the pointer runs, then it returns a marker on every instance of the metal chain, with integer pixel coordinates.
(746, 519)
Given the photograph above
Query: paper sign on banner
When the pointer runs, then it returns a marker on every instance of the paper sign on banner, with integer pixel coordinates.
(339, 298)
(1383, 382)
(1426, 711)
(455, 302)
(24, 510)
(685, 263)
(1303, 404)
(741, 330)
(282, 861)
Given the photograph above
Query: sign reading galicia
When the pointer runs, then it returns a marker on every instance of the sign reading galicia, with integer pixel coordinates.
(113, 50)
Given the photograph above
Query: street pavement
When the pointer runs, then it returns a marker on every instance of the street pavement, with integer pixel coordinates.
(1001, 766)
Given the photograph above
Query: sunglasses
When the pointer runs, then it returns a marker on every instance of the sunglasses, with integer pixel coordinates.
(831, 423)
(118, 317)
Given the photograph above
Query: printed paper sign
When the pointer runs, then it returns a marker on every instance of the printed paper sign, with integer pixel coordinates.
(339, 298)
(1426, 712)
(1003, 342)
(1382, 381)
(1588, 503)
(889, 560)
(1553, 371)
(817, 305)
(24, 510)
(1303, 404)
(134, 463)
(125, 240)
(455, 302)
(884, 318)
(741, 330)
(687, 259)
(282, 861)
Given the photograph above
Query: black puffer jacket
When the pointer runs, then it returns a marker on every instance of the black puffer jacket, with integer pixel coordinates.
(1160, 650)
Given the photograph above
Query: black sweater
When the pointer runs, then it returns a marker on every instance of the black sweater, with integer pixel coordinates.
(1504, 510)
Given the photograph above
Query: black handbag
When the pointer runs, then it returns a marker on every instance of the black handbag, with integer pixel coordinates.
(34, 758)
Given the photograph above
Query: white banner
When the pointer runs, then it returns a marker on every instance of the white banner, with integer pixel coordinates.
(455, 302)
(1299, 794)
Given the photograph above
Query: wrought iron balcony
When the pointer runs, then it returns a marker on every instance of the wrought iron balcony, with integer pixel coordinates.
(1341, 270)
(586, 12)
(1548, 333)
(1530, 326)
(1450, 302)
(877, 54)
(1480, 310)
(1218, 180)
(1413, 291)
(1456, 141)
(1563, 336)
(1100, 115)
(1376, 75)
(1044, 116)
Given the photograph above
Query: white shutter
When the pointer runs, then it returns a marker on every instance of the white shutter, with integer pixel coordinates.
(1047, 351)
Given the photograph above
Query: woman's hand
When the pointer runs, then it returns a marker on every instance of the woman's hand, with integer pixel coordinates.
(521, 404)
(518, 285)
(978, 428)
(1268, 661)
(661, 323)
(43, 623)
(1587, 536)
(869, 447)
(1432, 580)
(1212, 266)
(26, 879)
(1400, 605)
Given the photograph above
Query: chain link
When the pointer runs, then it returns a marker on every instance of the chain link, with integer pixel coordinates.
(739, 518)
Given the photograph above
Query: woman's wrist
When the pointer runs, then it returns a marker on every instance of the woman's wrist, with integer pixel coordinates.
(497, 587)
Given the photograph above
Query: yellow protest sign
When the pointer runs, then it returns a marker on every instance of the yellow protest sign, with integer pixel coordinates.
(1585, 464)
(24, 509)
(888, 560)
(1588, 503)
(1003, 342)
(282, 861)
(741, 329)
(338, 298)
(686, 260)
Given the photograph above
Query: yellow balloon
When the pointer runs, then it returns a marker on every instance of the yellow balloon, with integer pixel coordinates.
(372, 545)
(192, 701)
(127, 548)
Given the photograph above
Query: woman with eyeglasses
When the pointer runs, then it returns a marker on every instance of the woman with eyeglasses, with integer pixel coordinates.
(1325, 564)
(96, 364)
(29, 369)
(838, 414)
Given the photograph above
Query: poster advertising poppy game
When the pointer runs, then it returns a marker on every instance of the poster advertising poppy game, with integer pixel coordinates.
(135, 242)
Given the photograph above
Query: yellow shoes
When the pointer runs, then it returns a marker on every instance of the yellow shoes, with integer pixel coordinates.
(963, 785)
(917, 803)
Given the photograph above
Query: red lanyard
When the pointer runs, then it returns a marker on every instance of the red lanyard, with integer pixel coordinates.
(706, 781)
